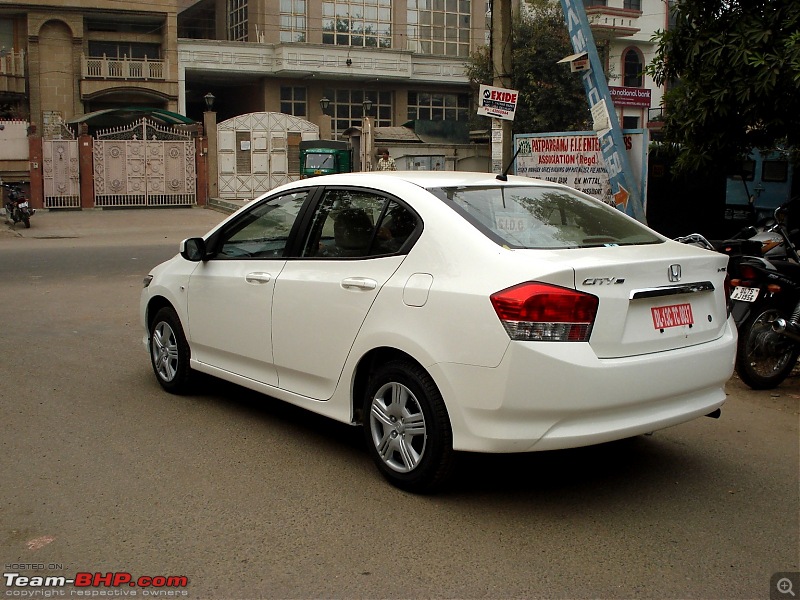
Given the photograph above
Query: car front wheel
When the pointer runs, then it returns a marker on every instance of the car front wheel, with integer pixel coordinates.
(169, 352)
(407, 427)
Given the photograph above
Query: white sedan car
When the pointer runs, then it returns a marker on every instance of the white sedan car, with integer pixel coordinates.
(448, 312)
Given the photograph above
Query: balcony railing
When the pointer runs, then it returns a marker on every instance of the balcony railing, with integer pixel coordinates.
(12, 63)
(123, 68)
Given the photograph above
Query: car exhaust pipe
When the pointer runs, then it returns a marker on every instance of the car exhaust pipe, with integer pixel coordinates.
(787, 328)
(715, 414)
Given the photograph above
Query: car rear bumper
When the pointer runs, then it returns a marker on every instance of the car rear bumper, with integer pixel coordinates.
(546, 396)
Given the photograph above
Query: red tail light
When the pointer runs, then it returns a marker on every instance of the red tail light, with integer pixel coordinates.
(747, 272)
(541, 312)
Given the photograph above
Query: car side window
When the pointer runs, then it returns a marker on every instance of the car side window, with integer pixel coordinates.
(357, 224)
(263, 232)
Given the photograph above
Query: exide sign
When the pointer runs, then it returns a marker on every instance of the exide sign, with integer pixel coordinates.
(497, 102)
(503, 96)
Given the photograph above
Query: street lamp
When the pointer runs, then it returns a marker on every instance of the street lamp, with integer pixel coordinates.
(367, 106)
(209, 99)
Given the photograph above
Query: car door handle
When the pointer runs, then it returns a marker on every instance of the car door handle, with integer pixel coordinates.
(257, 277)
(359, 283)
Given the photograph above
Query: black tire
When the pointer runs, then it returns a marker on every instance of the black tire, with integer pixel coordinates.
(407, 428)
(169, 352)
(764, 358)
(27, 222)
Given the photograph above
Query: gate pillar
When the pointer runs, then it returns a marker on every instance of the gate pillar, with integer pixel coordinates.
(86, 168)
(201, 160)
(36, 195)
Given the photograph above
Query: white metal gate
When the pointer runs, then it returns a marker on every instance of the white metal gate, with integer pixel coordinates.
(259, 151)
(61, 171)
(144, 164)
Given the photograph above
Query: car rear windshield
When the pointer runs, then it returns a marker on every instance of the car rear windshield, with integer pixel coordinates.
(543, 217)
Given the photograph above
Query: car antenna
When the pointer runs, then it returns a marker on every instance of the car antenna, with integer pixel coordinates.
(504, 175)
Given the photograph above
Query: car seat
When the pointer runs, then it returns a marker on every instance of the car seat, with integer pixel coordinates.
(352, 232)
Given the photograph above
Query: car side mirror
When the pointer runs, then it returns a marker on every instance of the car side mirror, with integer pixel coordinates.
(193, 249)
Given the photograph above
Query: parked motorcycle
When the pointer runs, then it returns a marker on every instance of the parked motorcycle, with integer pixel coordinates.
(766, 296)
(17, 205)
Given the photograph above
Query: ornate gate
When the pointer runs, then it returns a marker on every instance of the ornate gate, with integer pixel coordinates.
(144, 164)
(259, 151)
(61, 172)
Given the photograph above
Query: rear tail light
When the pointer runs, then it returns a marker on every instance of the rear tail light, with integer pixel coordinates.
(539, 312)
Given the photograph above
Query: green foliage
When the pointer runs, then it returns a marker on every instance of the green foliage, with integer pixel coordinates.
(551, 98)
(737, 68)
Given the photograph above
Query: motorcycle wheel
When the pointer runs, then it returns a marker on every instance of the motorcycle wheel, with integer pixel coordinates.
(764, 358)
(27, 222)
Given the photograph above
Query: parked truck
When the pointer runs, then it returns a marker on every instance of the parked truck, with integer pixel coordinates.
(323, 157)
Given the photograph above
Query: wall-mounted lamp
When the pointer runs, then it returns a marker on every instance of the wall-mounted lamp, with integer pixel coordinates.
(348, 62)
(209, 99)
(324, 103)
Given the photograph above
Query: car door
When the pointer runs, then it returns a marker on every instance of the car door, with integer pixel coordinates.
(355, 241)
(230, 295)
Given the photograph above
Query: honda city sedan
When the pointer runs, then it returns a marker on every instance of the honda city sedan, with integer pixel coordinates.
(447, 312)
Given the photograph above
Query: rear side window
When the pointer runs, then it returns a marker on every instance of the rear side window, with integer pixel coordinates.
(358, 224)
(541, 217)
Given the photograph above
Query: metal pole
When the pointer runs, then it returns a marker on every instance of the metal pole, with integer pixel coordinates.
(501, 77)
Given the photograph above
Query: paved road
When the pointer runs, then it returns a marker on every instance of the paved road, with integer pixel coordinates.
(101, 471)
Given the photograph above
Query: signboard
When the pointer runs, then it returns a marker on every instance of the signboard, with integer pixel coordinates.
(497, 102)
(623, 189)
(628, 96)
(576, 159)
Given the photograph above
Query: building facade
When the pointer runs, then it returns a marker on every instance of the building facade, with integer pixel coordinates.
(393, 60)
(331, 62)
(85, 55)
(623, 32)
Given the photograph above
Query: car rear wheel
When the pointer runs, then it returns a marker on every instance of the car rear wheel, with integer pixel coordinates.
(169, 352)
(407, 427)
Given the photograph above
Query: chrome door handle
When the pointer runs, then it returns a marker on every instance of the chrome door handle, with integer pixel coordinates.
(257, 277)
(359, 283)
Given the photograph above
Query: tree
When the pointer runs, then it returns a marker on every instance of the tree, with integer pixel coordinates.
(736, 68)
(551, 98)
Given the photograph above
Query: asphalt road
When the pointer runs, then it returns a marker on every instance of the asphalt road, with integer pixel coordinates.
(101, 471)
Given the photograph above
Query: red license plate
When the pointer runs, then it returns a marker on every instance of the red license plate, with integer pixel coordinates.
(672, 316)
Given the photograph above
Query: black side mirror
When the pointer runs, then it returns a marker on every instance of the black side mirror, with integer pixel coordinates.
(193, 249)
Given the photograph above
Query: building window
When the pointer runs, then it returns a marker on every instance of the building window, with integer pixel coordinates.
(6, 36)
(119, 50)
(361, 23)
(632, 69)
(293, 101)
(426, 106)
(439, 27)
(632, 4)
(347, 108)
(594, 2)
(293, 20)
(630, 122)
(237, 20)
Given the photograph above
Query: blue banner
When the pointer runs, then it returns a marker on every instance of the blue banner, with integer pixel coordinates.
(624, 189)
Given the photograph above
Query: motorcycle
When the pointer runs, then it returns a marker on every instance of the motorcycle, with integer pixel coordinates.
(766, 292)
(17, 205)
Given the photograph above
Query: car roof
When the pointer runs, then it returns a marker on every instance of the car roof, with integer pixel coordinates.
(424, 179)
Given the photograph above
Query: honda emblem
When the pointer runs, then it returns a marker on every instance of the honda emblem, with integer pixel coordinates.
(674, 272)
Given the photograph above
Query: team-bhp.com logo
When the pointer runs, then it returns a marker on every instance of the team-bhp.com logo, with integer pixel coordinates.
(157, 585)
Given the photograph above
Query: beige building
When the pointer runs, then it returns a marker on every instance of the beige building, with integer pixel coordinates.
(86, 55)
(405, 58)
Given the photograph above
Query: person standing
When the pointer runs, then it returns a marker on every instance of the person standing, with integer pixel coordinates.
(386, 162)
